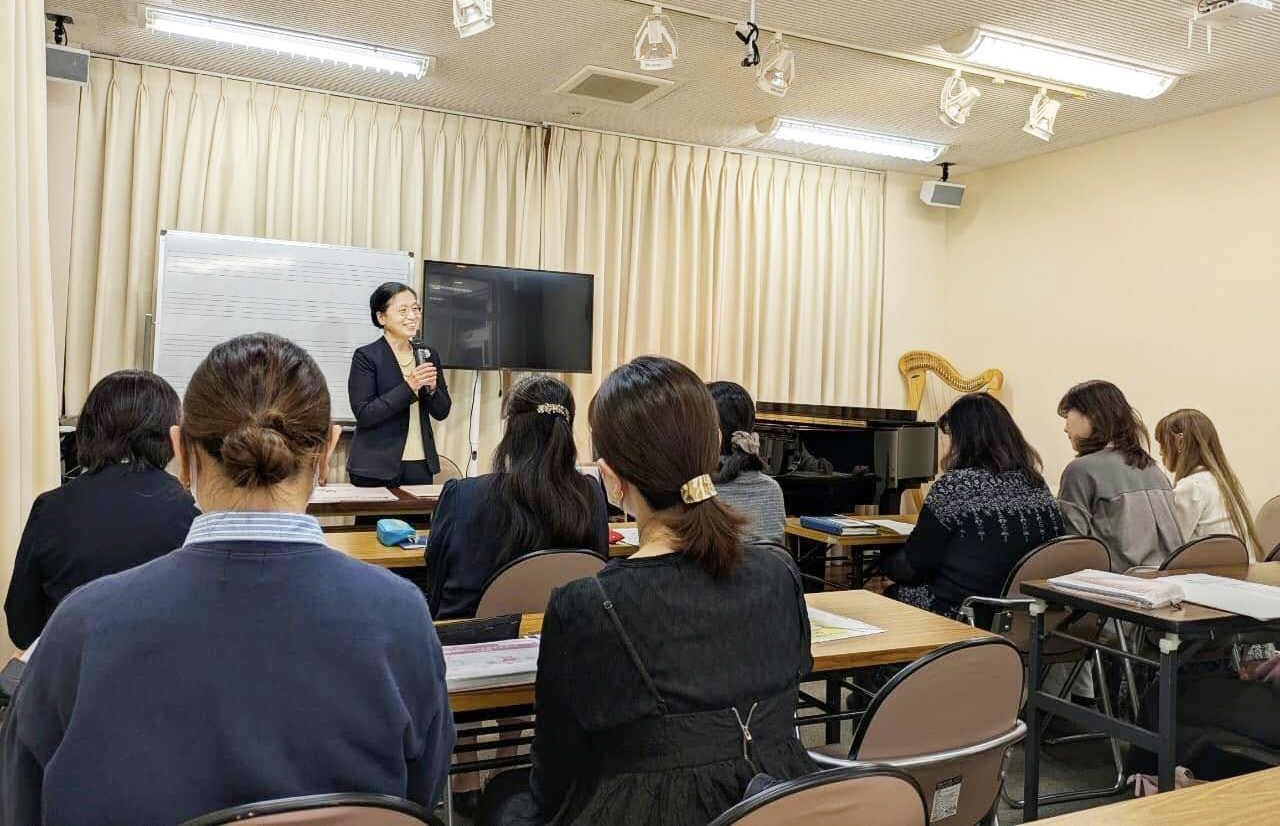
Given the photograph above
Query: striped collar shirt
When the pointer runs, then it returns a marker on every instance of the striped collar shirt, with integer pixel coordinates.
(246, 526)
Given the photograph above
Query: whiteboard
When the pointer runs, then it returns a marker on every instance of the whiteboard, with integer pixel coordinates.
(210, 288)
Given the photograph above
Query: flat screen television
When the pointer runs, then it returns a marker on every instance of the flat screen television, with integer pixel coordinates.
(501, 318)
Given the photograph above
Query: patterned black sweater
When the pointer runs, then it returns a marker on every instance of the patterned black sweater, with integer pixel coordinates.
(974, 527)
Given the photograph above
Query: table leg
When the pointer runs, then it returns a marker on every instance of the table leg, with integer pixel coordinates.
(1167, 724)
(833, 707)
(1031, 746)
(859, 579)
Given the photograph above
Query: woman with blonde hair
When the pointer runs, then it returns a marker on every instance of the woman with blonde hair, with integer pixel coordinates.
(1207, 496)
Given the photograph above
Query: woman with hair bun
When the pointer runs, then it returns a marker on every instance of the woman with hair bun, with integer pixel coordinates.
(656, 703)
(252, 663)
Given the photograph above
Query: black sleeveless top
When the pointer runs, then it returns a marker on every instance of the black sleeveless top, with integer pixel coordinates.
(662, 692)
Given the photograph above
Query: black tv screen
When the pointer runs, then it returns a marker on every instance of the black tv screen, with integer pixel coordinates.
(500, 318)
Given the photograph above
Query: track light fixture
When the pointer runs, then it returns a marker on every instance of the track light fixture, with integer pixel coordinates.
(472, 16)
(657, 45)
(956, 101)
(778, 69)
(1043, 112)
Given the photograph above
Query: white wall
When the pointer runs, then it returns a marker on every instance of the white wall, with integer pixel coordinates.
(1152, 260)
(914, 276)
(63, 114)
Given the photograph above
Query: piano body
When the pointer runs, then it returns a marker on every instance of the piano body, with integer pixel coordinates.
(831, 459)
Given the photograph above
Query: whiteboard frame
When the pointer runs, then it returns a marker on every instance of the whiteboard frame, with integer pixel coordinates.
(155, 315)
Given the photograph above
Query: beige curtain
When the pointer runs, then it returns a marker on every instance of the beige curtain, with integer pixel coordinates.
(747, 268)
(28, 389)
(165, 149)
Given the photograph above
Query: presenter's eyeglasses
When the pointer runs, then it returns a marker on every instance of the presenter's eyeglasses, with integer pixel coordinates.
(405, 312)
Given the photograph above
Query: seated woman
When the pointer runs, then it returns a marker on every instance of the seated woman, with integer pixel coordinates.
(253, 663)
(1207, 496)
(535, 500)
(124, 509)
(987, 510)
(1113, 490)
(668, 681)
(741, 481)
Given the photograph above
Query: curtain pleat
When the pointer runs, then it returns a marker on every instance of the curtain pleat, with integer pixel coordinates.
(28, 384)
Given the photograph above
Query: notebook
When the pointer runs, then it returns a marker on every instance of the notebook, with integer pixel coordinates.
(839, 525)
(1129, 590)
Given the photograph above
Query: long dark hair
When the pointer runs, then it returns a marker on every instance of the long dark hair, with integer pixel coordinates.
(126, 418)
(983, 435)
(540, 501)
(737, 412)
(259, 405)
(654, 422)
(1115, 422)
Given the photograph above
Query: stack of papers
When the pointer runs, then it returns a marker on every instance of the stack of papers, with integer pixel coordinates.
(491, 664)
(1129, 590)
(900, 528)
(1248, 599)
(423, 491)
(328, 494)
(630, 536)
(825, 626)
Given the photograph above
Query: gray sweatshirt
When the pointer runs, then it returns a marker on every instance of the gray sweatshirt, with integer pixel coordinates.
(759, 498)
(1129, 509)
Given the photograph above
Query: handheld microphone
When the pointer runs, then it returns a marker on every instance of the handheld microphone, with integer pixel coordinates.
(421, 355)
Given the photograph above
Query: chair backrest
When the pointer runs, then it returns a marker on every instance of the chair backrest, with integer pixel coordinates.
(1057, 557)
(861, 795)
(1267, 523)
(982, 683)
(1274, 556)
(524, 585)
(343, 809)
(1208, 552)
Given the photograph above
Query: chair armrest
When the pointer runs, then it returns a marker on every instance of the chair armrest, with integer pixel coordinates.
(916, 761)
(966, 608)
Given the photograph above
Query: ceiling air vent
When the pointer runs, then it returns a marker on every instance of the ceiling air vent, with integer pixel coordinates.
(615, 87)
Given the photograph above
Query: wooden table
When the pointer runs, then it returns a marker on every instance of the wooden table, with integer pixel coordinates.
(364, 545)
(854, 546)
(405, 504)
(1190, 626)
(1248, 800)
(909, 633)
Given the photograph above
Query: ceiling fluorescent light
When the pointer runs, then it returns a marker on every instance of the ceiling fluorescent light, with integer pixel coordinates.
(778, 70)
(268, 39)
(657, 46)
(956, 101)
(472, 16)
(851, 140)
(1042, 114)
(1060, 62)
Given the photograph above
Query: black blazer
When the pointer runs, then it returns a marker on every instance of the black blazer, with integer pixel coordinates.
(462, 551)
(380, 399)
(97, 524)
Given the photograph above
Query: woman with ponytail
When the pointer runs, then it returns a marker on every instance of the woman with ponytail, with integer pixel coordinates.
(741, 480)
(667, 682)
(534, 500)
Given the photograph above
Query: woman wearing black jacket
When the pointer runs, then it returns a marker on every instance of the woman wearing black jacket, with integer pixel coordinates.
(394, 398)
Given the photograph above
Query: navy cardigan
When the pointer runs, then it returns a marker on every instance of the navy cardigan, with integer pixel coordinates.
(380, 399)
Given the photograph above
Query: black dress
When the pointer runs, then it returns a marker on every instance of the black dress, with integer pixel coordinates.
(650, 678)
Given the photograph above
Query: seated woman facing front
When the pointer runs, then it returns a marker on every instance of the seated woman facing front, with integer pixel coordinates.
(741, 480)
(251, 664)
(124, 509)
(668, 681)
(535, 500)
(987, 510)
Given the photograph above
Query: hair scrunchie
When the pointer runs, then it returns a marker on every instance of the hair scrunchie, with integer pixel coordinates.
(697, 489)
(748, 443)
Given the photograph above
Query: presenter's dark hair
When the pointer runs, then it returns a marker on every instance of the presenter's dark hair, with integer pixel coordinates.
(654, 422)
(1115, 422)
(737, 412)
(540, 501)
(382, 297)
(126, 418)
(259, 405)
(984, 435)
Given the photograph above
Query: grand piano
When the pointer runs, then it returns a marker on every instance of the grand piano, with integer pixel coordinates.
(832, 459)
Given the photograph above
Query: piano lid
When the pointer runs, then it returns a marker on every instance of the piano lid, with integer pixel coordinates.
(824, 415)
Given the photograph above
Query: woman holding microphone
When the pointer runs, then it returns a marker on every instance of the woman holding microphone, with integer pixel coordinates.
(396, 388)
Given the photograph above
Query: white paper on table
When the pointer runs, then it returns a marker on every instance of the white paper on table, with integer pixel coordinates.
(900, 528)
(1249, 599)
(825, 626)
(491, 664)
(25, 656)
(424, 491)
(630, 536)
(326, 494)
